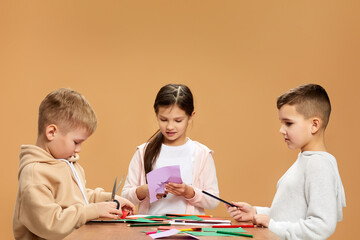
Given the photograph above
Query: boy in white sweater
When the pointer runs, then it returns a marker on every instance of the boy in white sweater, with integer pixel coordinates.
(310, 196)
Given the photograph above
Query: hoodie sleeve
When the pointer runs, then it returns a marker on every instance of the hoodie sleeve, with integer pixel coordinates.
(133, 179)
(45, 218)
(206, 180)
(97, 195)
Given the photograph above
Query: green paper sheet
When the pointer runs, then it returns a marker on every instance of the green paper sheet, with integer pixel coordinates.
(239, 230)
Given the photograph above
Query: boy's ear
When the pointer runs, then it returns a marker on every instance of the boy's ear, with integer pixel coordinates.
(315, 125)
(51, 131)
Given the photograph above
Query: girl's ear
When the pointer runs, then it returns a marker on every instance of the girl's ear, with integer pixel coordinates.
(192, 116)
(315, 125)
(51, 131)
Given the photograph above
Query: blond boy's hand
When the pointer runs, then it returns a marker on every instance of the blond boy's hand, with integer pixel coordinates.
(242, 212)
(108, 210)
(126, 205)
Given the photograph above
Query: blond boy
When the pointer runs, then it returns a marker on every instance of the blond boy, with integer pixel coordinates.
(310, 196)
(52, 199)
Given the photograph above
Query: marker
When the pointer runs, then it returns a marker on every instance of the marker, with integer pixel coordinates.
(236, 234)
(190, 229)
(230, 204)
(148, 224)
(233, 226)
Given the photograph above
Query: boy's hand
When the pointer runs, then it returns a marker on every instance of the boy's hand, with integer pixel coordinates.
(180, 189)
(261, 220)
(108, 210)
(126, 205)
(243, 211)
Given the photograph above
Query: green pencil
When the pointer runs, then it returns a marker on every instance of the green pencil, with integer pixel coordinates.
(149, 224)
(236, 234)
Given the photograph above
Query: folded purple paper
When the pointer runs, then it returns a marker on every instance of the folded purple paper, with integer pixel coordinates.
(159, 177)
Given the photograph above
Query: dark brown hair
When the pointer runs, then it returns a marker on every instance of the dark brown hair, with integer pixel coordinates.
(310, 100)
(168, 95)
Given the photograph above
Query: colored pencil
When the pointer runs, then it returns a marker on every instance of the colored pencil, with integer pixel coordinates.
(236, 234)
(233, 226)
(148, 224)
(202, 222)
(222, 200)
(185, 215)
(190, 229)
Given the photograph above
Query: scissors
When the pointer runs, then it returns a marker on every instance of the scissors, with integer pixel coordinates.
(114, 191)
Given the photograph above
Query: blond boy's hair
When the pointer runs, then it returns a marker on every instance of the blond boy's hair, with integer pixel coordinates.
(310, 100)
(68, 109)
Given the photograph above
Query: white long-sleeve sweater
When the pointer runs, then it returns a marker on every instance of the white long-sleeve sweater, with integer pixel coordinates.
(309, 198)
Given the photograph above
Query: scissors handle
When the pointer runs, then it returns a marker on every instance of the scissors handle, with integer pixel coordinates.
(118, 204)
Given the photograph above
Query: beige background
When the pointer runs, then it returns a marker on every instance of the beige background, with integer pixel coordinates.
(236, 56)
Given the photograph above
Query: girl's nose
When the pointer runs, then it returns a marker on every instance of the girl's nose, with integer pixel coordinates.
(169, 126)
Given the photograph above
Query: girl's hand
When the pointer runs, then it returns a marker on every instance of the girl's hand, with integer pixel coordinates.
(161, 195)
(243, 211)
(126, 205)
(261, 220)
(180, 189)
(108, 210)
(142, 192)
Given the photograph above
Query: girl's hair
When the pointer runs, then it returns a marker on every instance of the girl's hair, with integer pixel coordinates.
(168, 95)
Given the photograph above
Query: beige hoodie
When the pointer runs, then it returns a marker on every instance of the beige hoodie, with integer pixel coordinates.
(49, 203)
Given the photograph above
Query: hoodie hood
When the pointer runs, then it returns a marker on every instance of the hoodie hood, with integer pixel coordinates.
(34, 154)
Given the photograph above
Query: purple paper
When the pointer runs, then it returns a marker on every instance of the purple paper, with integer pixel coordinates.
(169, 233)
(165, 233)
(159, 177)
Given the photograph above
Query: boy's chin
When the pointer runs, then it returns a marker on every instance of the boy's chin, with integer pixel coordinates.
(292, 147)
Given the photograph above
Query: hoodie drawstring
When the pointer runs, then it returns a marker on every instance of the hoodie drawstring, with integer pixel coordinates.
(76, 178)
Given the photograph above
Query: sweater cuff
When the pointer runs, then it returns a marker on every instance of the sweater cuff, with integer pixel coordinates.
(91, 212)
(196, 197)
(276, 228)
(262, 210)
(104, 196)
(134, 198)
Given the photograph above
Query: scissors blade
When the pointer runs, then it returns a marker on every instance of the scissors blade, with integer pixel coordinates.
(118, 186)
(114, 190)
